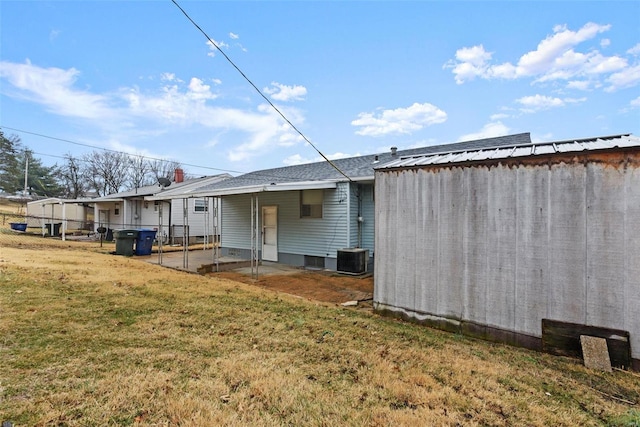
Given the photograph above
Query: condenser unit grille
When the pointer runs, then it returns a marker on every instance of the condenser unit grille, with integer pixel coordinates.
(353, 261)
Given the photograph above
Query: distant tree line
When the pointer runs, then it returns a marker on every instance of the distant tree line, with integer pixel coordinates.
(97, 173)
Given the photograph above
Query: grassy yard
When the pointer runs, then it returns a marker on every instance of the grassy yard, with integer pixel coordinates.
(91, 339)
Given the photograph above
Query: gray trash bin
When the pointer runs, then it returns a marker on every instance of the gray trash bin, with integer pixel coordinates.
(124, 241)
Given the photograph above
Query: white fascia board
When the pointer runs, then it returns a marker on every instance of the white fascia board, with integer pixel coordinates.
(286, 186)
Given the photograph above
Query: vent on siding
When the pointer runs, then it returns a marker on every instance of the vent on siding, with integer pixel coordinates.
(353, 261)
(314, 262)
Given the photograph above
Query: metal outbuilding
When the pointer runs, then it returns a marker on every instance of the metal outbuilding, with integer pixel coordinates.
(496, 241)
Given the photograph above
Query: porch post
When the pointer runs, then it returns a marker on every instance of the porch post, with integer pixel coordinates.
(64, 221)
(160, 235)
(185, 234)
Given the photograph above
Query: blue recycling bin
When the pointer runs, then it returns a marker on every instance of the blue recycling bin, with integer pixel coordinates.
(144, 241)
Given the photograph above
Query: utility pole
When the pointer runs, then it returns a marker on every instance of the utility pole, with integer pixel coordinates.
(26, 172)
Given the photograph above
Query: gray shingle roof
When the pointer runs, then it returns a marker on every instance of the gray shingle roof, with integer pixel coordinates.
(354, 167)
(155, 189)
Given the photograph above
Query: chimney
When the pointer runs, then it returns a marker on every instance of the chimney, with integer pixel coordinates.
(394, 151)
(178, 175)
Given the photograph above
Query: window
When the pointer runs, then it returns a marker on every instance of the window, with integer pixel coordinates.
(200, 205)
(116, 209)
(311, 203)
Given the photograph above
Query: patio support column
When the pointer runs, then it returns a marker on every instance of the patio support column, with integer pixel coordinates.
(214, 231)
(185, 233)
(42, 220)
(64, 221)
(160, 235)
(255, 235)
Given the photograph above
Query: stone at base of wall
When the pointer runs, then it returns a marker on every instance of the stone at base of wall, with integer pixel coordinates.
(471, 329)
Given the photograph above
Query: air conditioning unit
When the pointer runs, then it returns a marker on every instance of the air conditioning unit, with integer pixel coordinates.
(353, 260)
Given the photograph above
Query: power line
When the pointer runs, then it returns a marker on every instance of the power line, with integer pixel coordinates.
(260, 92)
(256, 174)
(112, 151)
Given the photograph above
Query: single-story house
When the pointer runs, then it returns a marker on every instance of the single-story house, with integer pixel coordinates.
(158, 207)
(515, 242)
(50, 212)
(132, 210)
(192, 217)
(316, 215)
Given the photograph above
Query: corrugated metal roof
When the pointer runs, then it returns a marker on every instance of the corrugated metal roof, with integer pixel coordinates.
(514, 151)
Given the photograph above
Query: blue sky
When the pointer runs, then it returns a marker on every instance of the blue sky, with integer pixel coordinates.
(356, 77)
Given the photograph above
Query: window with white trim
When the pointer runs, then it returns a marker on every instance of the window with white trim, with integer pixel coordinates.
(200, 205)
(311, 203)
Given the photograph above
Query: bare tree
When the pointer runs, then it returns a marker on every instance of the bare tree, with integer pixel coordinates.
(107, 171)
(163, 168)
(139, 172)
(72, 178)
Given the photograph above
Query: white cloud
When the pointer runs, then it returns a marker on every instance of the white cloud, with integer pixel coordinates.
(499, 116)
(169, 77)
(281, 92)
(623, 79)
(198, 90)
(490, 130)
(400, 120)
(634, 50)
(213, 49)
(234, 36)
(635, 103)
(552, 49)
(53, 88)
(53, 34)
(173, 106)
(554, 59)
(472, 63)
(540, 101)
(580, 84)
(535, 103)
(297, 159)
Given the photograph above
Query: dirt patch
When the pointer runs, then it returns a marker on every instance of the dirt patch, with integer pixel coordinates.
(314, 285)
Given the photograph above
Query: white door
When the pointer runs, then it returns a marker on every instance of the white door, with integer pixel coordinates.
(270, 233)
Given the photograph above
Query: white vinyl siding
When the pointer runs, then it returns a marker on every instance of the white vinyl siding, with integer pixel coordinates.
(368, 215)
(303, 236)
(196, 219)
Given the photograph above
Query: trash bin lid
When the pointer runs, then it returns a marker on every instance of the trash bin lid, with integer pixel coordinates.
(126, 234)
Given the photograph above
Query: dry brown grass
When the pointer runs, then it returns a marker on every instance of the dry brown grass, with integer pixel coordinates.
(90, 339)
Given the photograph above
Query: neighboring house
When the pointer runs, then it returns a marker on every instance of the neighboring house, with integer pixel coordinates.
(191, 216)
(499, 242)
(303, 215)
(50, 213)
(147, 207)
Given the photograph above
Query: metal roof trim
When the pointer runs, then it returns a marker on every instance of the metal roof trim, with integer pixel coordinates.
(260, 188)
(517, 151)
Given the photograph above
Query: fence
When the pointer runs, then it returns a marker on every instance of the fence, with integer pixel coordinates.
(14, 226)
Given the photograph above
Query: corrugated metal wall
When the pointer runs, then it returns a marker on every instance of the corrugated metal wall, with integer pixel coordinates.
(509, 245)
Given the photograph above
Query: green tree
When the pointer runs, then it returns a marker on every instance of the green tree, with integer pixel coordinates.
(41, 180)
(11, 168)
